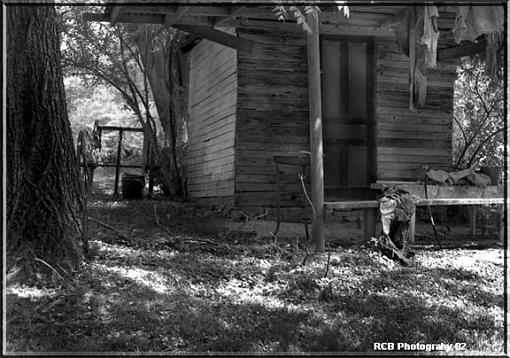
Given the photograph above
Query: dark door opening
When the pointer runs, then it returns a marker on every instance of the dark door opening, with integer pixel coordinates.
(347, 108)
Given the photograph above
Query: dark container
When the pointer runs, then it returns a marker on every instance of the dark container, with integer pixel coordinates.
(132, 186)
(492, 172)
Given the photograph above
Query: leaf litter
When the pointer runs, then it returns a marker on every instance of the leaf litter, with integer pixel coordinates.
(198, 291)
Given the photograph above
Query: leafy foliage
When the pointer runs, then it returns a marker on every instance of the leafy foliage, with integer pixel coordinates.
(299, 13)
(86, 103)
(478, 116)
(123, 57)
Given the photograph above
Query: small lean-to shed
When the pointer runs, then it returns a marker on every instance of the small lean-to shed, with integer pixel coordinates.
(249, 104)
(253, 94)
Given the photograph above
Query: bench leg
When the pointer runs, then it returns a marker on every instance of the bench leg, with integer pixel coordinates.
(472, 221)
(370, 222)
(412, 227)
(501, 220)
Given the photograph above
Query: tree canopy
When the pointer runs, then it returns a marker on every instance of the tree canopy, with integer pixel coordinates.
(478, 115)
(135, 60)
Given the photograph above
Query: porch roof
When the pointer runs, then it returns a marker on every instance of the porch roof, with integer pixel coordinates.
(203, 20)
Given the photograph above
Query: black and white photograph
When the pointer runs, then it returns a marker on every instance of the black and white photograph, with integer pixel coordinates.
(195, 177)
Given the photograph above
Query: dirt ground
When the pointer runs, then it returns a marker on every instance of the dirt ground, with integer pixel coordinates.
(339, 230)
(198, 283)
(176, 279)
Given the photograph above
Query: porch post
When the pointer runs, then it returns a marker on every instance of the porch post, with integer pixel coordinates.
(315, 108)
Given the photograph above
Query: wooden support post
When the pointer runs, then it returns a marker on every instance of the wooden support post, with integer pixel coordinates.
(370, 222)
(314, 95)
(115, 14)
(117, 166)
(412, 57)
(218, 36)
(91, 180)
(501, 221)
(277, 185)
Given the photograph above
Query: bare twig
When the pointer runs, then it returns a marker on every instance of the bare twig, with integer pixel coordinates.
(306, 256)
(329, 259)
(266, 213)
(301, 178)
(47, 264)
(461, 129)
(277, 248)
(481, 145)
(246, 220)
(274, 237)
(156, 219)
(165, 229)
(117, 232)
(67, 273)
(476, 132)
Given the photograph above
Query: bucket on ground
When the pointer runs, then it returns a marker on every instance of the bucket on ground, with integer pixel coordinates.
(132, 186)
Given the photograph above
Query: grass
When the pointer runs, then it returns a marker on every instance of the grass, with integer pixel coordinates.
(197, 291)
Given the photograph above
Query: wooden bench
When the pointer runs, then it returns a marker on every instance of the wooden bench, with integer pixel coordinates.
(371, 208)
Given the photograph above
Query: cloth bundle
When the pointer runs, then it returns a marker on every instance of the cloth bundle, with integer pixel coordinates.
(397, 207)
(474, 21)
(466, 176)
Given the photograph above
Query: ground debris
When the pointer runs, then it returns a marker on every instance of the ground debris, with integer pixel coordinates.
(188, 292)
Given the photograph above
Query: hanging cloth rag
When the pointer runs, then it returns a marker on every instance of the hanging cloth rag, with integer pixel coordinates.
(473, 21)
(491, 54)
(429, 34)
(417, 35)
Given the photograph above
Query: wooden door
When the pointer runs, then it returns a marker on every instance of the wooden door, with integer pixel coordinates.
(347, 108)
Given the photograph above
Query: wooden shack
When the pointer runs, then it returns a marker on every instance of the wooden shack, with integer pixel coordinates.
(253, 89)
(247, 107)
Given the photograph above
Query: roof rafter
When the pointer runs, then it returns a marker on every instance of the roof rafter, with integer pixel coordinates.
(465, 49)
(116, 12)
(217, 36)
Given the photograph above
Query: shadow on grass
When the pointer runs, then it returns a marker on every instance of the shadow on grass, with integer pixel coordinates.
(139, 319)
(113, 312)
(140, 299)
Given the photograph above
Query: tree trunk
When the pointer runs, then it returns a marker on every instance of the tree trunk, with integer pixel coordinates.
(45, 203)
(161, 83)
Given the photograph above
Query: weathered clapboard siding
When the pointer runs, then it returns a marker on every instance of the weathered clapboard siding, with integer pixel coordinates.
(272, 117)
(212, 123)
(246, 107)
(405, 140)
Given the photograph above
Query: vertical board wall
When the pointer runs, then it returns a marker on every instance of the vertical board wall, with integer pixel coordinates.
(246, 107)
(405, 140)
(212, 122)
(272, 117)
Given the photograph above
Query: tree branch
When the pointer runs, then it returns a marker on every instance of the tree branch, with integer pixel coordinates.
(480, 146)
(488, 112)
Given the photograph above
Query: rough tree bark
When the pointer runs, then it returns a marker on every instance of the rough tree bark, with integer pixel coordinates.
(45, 203)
